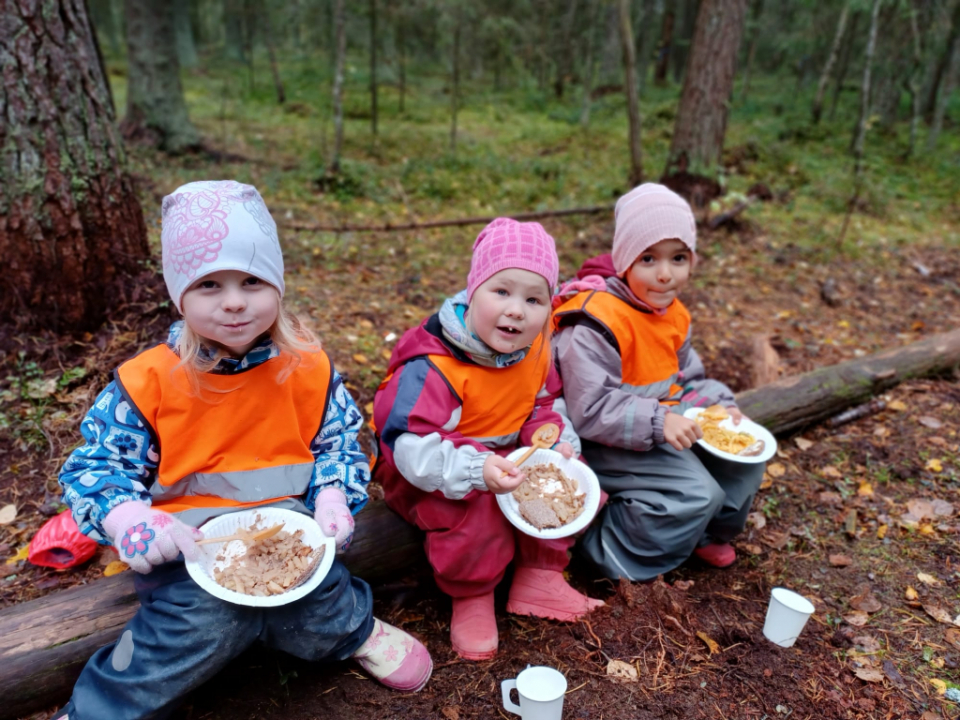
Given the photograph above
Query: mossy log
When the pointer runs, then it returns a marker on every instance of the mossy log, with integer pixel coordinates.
(44, 643)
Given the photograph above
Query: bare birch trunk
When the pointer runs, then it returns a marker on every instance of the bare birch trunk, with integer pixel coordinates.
(914, 83)
(340, 30)
(845, 53)
(831, 61)
(630, 83)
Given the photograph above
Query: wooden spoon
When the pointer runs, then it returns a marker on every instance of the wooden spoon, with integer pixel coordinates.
(254, 537)
(543, 439)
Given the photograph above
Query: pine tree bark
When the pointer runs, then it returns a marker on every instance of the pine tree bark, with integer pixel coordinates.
(701, 124)
(630, 86)
(340, 43)
(71, 228)
(156, 110)
(831, 61)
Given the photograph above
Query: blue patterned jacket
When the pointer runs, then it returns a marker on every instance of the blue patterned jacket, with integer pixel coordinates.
(118, 459)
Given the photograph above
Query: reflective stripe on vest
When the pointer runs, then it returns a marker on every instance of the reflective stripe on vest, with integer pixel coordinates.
(244, 441)
(495, 401)
(648, 342)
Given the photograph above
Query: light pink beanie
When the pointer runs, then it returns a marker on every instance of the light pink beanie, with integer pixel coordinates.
(646, 215)
(505, 244)
(217, 225)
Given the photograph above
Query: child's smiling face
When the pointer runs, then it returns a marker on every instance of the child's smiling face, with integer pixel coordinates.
(660, 273)
(510, 309)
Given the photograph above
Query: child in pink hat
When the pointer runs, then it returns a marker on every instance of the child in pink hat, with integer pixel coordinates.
(468, 386)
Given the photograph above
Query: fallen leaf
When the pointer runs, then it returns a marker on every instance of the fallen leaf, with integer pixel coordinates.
(21, 555)
(386, 354)
(360, 358)
(865, 603)
(776, 470)
(941, 508)
(830, 498)
(8, 513)
(930, 715)
(867, 643)
(881, 532)
(910, 593)
(938, 613)
(940, 685)
(115, 568)
(831, 472)
(920, 509)
(897, 405)
(369, 408)
(366, 324)
(840, 560)
(865, 490)
(953, 637)
(881, 431)
(930, 422)
(803, 443)
(767, 482)
(451, 713)
(928, 579)
(934, 465)
(683, 584)
(757, 519)
(621, 671)
(938, 441)
(857, 618)
(752, 549)
(927, 529)
(869, 674)
(712, 644)
(892, 674)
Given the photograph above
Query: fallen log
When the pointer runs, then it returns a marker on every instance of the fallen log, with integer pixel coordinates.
(800, 400)
(44, 643)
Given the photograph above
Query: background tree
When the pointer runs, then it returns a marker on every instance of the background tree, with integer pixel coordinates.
(72, 227)
(630, 87)
(183, 29)
(701, 124)
(156, 111)
(340, 28)
(831, 61)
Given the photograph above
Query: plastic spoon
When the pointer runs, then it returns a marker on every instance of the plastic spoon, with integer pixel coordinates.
(543, 439)
(255, 537)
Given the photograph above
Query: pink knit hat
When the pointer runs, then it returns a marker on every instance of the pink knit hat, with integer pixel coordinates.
(505, 244)
(646, 215)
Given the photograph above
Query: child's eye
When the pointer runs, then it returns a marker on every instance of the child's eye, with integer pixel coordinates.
(252, 280)
(533, 300)
(207, 285)
(680, 258)
(502, 293)
(646, 259)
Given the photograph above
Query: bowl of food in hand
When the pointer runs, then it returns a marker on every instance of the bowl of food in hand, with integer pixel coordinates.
(746, 442)
(273, 571)
(558, 497)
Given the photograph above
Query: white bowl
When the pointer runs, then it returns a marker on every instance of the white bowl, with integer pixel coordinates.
(746, 425)
(571, 468)
(201, 569)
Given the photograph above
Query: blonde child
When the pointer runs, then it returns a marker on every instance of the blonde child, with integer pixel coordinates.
(629, 372)
(464, 389)
(238, 408)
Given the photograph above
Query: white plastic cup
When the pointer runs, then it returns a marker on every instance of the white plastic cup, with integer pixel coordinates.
(541, 690)
(787, 613)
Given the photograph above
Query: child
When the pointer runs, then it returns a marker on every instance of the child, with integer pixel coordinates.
(471, 384)
(629, 372)
(239, 407)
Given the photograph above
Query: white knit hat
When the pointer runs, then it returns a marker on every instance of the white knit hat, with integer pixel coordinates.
(646, 215)
(217, 225)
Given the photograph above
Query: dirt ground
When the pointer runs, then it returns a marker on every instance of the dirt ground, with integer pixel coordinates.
(861, 518)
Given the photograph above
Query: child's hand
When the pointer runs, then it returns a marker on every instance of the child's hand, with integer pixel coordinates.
(681, 432)
(565, 449)
(735, 414)
(145, 537)
(497, 482)
(334, 517)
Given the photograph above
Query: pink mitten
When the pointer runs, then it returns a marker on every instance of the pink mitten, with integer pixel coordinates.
(334, 518)
(145, 537)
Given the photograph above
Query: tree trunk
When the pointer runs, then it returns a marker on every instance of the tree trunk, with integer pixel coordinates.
(845, 54)
(752, 51)
(105, 23)
(831, 61)
(71, 228)
(913, 84)
(183, 30)
(402, 57)
(630, 86)
(156, 110)
(684, 37)
(594, 16)
(943, 98)
(697, 141)
(943, 65)
(233, 30)
(373, 68)
(271, 53)
(44, 643)
(860, 135)
(455, 85)
(663, 50)
(563, 55)
(340, 30)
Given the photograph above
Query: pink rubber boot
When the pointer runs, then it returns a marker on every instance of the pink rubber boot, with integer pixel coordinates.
(718, 555)
(395, 658)
(473, 627)
(545, 594)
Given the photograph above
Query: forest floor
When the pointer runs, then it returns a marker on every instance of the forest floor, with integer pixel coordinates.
(861, 518)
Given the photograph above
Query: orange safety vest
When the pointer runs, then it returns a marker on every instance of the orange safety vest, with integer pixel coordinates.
(648, 343)
(224, 450)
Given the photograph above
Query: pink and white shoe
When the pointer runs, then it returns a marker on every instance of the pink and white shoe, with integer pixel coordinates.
(395, 658)
(545, 594)
(718, 555)
(473, 627)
